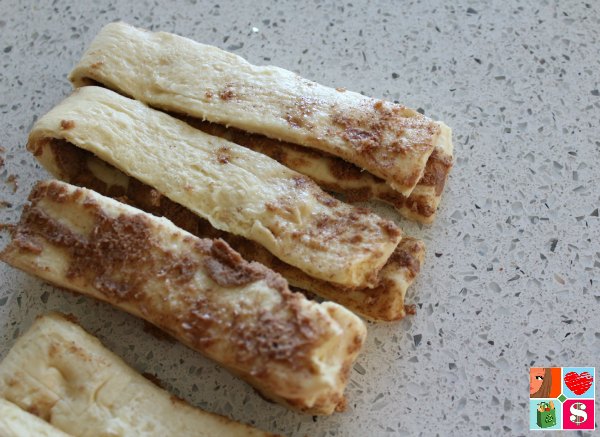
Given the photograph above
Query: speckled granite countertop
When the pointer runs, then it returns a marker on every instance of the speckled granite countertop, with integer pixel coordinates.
(512, 275)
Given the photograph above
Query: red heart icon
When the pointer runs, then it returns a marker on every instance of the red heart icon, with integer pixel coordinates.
(578, 383)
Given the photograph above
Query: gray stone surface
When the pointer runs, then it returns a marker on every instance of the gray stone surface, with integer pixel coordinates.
(512, 275)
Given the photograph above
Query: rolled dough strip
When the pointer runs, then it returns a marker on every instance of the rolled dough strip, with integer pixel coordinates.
(203, 293)
(71, 381)
(336, 175)
(176, 74)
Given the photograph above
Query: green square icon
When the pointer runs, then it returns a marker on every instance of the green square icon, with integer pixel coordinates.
(562, 397)
(545, 414)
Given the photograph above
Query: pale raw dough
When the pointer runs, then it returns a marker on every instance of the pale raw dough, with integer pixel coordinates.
(16, 422)
(77, 385)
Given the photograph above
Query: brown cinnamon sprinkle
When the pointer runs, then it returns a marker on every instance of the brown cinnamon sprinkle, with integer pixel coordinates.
(352, 195)
(67, 124)
(120, 258)
(223, 155)
(300, 111)
(420, 204)
(410, 309)
(394, 198)
(436, 171)
(228, 269)
(376, 133)
(404, 256)
(41, 407)
(227, 93)
(343, 170)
